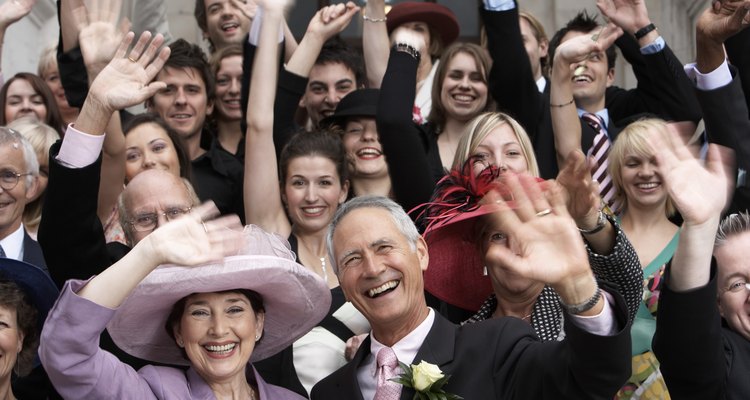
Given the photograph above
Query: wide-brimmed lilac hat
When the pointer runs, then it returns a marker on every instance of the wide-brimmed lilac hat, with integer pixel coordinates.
(295, 299)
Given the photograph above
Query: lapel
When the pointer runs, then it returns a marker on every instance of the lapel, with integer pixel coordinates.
(438, 348)
(347, 385)
(32, 252)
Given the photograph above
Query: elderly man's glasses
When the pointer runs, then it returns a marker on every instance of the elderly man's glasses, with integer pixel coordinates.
(9, 179)
(736, 287)
(148, 222)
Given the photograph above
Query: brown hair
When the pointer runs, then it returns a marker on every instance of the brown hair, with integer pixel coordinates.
(173, 320)
(12, 297)
(481, 58)
(40, 87)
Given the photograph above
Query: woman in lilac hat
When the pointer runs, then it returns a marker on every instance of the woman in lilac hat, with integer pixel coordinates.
(214, 318)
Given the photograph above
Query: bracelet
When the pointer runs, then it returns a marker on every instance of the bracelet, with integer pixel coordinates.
(600, 222)
(586, 305)
(644, 31)
(563, 104)
(368, 19)
(408, 49)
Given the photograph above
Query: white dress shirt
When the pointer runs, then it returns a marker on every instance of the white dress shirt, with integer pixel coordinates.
(13, 244)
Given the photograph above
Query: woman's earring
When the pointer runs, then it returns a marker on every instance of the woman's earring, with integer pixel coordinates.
(180, 343)
(484, 271)
(257, 337)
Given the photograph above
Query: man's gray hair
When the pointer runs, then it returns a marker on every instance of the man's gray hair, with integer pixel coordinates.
(732, 225)
(10, 137)
(400, 218)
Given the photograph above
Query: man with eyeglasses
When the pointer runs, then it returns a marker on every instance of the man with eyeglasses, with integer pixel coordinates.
(19, 170)
(151, 199)
(702, 337)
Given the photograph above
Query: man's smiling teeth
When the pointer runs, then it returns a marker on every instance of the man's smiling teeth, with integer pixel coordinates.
(229, 25)
(582, 78)
(181, 116)
(221, 349)
(382, 288)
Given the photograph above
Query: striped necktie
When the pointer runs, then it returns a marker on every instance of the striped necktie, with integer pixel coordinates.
(600, 151)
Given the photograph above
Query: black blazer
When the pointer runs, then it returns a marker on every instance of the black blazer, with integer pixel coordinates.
(726, 119)
(71, 235)
(503, 359)
(32, 252)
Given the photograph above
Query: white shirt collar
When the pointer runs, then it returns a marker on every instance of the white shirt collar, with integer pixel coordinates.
(541, 84)
(13, 244)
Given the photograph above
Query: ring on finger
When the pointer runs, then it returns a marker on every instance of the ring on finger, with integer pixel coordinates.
(544, 212)
(132, 59)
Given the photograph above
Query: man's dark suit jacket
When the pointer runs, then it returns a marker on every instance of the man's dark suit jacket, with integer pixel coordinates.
(663, 88)
(503, 359)
(32, 252)
(725, 115)
(71, 235)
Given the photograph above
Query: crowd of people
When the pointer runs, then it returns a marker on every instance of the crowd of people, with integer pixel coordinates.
(427, 218)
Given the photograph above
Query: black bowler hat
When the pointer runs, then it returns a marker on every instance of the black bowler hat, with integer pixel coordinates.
(359, 103)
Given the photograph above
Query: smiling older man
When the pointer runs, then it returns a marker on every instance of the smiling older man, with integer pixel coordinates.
(380, 258)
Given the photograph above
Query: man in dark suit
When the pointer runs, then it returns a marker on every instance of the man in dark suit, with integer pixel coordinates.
(380, 257)
(663, 89)
(694, 283)
(19, 170)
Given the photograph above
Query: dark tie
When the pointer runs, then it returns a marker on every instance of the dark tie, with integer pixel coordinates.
(387, 368)
(2, 253)
(600, 151)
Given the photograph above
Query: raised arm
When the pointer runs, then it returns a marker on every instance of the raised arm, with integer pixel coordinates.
(544, 244)
(98, 37)
(663, 88)
(512, 84)
(404, 148)
(263, 204)
(70, 232)
(566, 124)
(70, 346)
(325, 24)
(688, 312)
(192, 240)
(11, 11)
(611, 255)
(375, 42)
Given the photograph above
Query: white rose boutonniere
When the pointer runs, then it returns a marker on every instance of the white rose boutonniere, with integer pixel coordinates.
(427, 380)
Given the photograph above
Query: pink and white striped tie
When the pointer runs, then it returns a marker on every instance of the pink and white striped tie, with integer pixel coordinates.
(387, 369)
(600, 151)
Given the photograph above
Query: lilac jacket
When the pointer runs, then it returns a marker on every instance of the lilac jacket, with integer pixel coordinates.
(79, 369)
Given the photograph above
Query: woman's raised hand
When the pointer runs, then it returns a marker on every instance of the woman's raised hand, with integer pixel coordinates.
(196, 238)
(128, 79)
